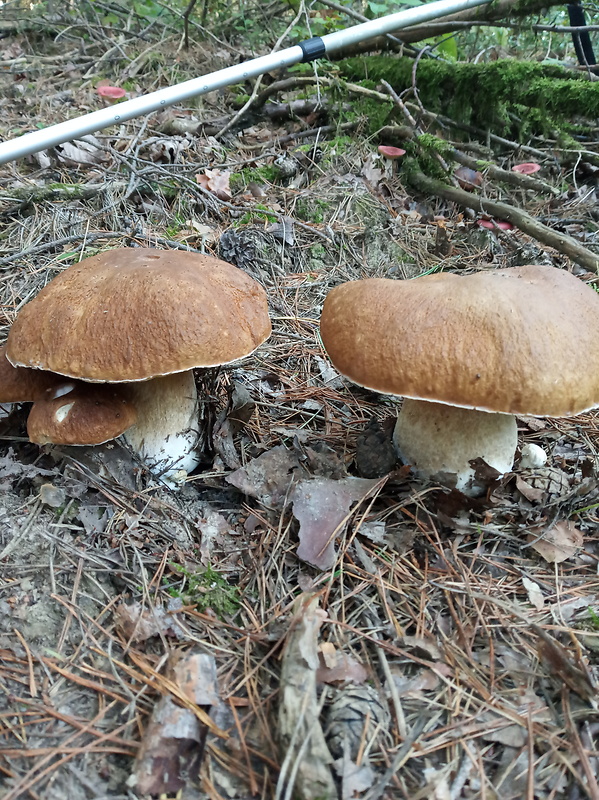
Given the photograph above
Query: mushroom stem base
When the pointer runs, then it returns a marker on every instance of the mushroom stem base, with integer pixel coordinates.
(439, 441)
(166, 436)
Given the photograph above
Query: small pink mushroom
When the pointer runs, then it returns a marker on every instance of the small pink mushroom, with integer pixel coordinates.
(391, 152)
(111, 92)
(529, 168)
(491, 224)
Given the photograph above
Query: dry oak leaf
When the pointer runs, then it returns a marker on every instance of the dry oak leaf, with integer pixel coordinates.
(338, 667)
(217, 182)
(557, 543)
(322, 508)
(560, 664)
(138, 623)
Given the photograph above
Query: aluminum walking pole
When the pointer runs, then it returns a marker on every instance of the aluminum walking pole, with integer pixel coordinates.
(308, 50)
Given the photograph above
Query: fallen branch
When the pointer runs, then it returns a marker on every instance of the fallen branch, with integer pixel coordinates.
(53, 192)
(504, 175)
(322, 131)
(561, 242)
(496, 11)
(483, 164)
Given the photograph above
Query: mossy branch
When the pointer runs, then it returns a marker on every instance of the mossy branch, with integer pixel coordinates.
(561, 242)
(57, 191)
(503, 175)
(504, 96)
(404, 133)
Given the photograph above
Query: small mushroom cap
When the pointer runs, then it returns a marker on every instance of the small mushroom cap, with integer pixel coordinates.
(518, 341)
(391, 152)
(491, 224)
(468, 179)
(133, 314)
(21, 385)
(76, 413)
(111, 92)
(528, 168)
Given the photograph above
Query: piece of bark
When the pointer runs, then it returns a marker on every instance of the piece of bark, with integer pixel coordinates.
(308, 759)
(171, 750)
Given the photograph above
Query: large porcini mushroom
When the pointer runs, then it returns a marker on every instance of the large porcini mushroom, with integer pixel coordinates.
(468, 353)
(145, 319)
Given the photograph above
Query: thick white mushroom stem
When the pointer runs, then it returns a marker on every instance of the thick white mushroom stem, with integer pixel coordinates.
(166, 435)
(440, 440)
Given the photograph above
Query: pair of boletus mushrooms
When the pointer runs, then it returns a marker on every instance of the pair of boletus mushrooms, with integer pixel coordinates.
(109, 346)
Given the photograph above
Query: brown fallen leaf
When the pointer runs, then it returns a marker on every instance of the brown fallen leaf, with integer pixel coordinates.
(425, 681)
(268, 477)
(14, 50)
(559, 663)
(355, 779)
(534, 592)
(81, 151)
(322, 506)
(371, 173)
(533, 423)
(516, 734)
(557, 543)
(532, 493)
(338, 667)
(137, 623)
(239, 410)
(283, 230)
(165, 149)
(421, 646)
(213, 529)
(217, 182)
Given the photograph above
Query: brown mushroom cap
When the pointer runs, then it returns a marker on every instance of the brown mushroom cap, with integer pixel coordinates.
(520, 341)
(21, 385)
(76, 413)
(133, 314)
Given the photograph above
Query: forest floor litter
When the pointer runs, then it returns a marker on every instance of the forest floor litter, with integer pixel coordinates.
(303, 616)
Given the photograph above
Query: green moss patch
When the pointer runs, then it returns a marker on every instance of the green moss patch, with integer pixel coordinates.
(507, 94)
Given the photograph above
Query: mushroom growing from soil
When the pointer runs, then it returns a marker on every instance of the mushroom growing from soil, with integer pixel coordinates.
(144, 319)
(391, 154)
(492, 224)
(65, 411)
(467, 354)
(468, 179)
(111, 92)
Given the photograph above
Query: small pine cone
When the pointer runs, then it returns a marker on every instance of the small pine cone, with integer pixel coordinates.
(352, 709)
